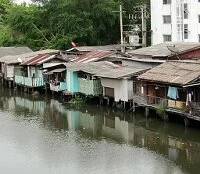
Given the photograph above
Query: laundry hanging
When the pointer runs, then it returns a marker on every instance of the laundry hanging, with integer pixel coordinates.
(173, 93)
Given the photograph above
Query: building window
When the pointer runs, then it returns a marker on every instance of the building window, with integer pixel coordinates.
(167, 1)
(185, 11)
(167, 38)
(167, 19)
(185, 31)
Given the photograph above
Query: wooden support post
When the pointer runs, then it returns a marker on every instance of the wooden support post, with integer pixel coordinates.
(45, 88)
(9, 84)
(187, 122)
(166, 117)
(108, 101)
(101, 100)
(134, 107)
(146, 111)
(124, 105)
(114, 104)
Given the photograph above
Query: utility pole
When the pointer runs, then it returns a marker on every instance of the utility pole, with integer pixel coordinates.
(142, 11)
(144, 25)
(121, 28)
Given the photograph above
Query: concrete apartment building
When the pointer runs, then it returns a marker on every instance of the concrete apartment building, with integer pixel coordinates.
(175, 20)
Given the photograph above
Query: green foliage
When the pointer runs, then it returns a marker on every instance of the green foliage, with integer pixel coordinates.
(55, 23)
(160, 110)
(77, 102)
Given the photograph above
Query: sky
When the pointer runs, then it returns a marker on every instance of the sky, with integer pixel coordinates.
(21, 1)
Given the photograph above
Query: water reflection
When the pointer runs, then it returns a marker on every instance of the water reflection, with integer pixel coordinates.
(91, 139)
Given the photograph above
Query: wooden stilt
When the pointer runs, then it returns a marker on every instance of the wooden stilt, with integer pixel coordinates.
(101, 100)
(146, 111)
(9, 84)
(108, 101)
(187, 122)
(114, 104)
(133, 107)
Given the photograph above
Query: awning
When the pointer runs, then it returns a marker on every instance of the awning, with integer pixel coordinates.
(56, 71)
(190, 85)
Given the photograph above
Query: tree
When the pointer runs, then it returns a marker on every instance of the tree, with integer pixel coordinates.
(55, 23)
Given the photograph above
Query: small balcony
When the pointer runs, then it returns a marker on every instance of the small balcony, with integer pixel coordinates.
(90, 87)
(29, 81)
(62, 86)
(165, 103)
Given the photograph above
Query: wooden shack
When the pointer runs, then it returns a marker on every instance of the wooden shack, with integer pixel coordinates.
(119, 83)
(81, 77)
(9, 59)
(31, 73)
(173, 86)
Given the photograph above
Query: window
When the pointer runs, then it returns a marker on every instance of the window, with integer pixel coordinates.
(167, 38)
(185, 31)
(167, 1)
(167, 19)
(199, 18)
(185, 11)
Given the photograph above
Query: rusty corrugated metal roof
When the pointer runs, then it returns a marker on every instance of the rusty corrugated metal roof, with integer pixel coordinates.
(173, 72)
(39, 59)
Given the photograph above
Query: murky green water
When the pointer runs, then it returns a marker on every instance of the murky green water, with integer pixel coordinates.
(45, 136)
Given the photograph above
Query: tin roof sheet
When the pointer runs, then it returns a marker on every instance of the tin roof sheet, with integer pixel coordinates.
(39, 59)
(166, 49)
(12, 59)
(173, 72)
(93, 56)
(6, 51)
(121, 72)
(93, 48)
(92, 67)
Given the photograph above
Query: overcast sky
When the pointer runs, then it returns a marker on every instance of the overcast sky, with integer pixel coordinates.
(21, 1)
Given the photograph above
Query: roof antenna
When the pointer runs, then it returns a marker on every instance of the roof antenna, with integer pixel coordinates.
(174, 51)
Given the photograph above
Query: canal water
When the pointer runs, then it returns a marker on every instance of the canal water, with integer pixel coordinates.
(45, 135)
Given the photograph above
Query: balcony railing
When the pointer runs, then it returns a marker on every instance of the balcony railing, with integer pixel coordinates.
(165, 103)
(61, 87)
(29, 81)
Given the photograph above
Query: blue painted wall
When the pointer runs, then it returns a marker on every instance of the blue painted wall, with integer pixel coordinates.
(72, 81)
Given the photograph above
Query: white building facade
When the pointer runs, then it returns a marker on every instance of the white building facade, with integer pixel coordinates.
(175, 21)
